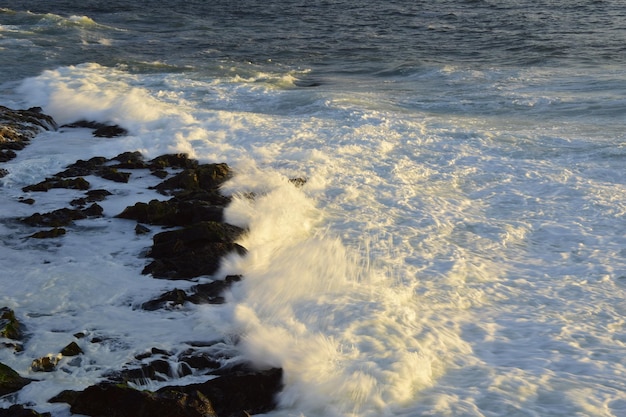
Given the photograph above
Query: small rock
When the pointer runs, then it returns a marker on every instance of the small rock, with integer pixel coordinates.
(71, 350)
(46, 363)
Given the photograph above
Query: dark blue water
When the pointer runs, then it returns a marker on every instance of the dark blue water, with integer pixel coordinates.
(368, 37)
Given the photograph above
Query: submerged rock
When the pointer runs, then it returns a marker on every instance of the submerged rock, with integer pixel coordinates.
(18, 410)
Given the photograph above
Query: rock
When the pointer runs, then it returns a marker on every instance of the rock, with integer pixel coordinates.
(192, 251)
(233, 394)
(63, 216)
(82, 168)
(201, 177)
(10, 327)
(72, 184)
(173, 212)
(46, 363)
(179, 160)
(18, 127)
(11, 381)
(102, 130)
(140, 229)
(71, 350)
(18, 410)
(130, 160)
(49, 234)
(208, 293)
(91, 196)
(119, 400)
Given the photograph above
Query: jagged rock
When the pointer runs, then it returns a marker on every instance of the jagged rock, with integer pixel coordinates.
(10, 327)
(92, 196)
(82, 168)
(208, 293)
(179, 160)
(235, 393)
(3, 172)
(173, 212)
(192, 251)
(49, 234)
(130, 160)
(18, 127)
(11, 381)
(119, 400)
(29, 201)
(71, 183)
(63, 216)
(201, 177)
(140, 229)
(18, 410)
(71, 350)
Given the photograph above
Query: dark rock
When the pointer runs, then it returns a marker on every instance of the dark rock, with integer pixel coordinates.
(208, 293)
(29, 201)
(234, 394)
(18, 410)
(203, 260)
(112, 174)
(173, 212)
(110, 131)
(3, 172)
(179, 160)
(11, 381)
(72, 184)
(130, 160)
(193, 251)
(62, 217)
(201, 177)
(140, 229)
(82, 168)
(92, 196)
(49, 234)
(71, 350)
(100, 129)
(118, 400)
(169, 299)
(18, 127)
(199, 360)
(298, 182)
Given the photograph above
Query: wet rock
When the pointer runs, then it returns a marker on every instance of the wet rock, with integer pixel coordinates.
(18, 410)
(11, 381)
(192, 251)
(237, 393)
(49, 234)
(102, 130)
(179, 160)
(140, 229)
(82, 168)
(201, 177)
(208, 293)
(91, 197)
(49, 183)
(46, 363)
(18, 127)
(130, 160)
(10, 327)
(62, 217)
(71, 350)
(173, 212)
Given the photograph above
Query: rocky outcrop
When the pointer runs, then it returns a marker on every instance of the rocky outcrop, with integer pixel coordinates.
(18, 410)
(18, 127)
(193, 245)
(234, 395)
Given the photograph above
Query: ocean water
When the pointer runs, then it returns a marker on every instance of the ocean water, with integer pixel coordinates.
(458, 249)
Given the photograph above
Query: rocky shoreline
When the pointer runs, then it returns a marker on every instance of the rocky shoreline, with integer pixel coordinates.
(192, 246)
